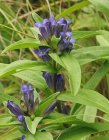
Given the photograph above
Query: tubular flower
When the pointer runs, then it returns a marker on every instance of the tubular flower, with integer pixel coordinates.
(23, 137)
(51, 108)
(28, 97)
(14, 108)
(42, 52)
(22, 120)
(54, 81)
(60, 29)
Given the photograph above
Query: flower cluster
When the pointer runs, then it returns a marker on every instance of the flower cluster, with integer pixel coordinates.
(29, 103)
(60, 29)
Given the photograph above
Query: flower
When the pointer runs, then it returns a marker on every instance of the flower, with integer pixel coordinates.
(42, 52)
(54, 81)
(51, 107)
(28, 97)
(23, 137)
(60, 29)
(22, 120)
(14, 108)
(66, 42)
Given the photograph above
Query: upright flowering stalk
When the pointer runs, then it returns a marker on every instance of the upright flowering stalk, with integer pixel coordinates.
(61, 31)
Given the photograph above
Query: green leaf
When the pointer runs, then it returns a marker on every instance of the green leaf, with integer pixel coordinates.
(82, 130)
(74, 71)
(87, 97)
(89, 54)
(97, 76)
(75, 133)
(17, 66)
(32, 125)
(11, 134)
(46, 103)
(24, 43)
(5, 97)
(36, 17)
(102, 6)
(33, 77)
(84, 34)
(43, 136)
(39, 136)
(76, 7)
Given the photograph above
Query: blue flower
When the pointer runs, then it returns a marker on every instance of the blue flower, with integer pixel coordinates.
(23, 137)
(28, 97)
(51, 107)
(66, 42)
(61, 29)
(22, 120)
(14, 108)
(54, 81)
(42, 52)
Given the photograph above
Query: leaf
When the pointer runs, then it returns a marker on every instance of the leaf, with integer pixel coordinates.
(56, 57)
(97, 76)
(17, 66)
(75, 133)
(45, 104)
(84, 34)
(11, 134)
(64, 119)
(74, 71)
(102, 6)
(89, 54)
(32, 125)
(87, 97)
(33, 77)
(73, 8)
(39, 136)
(36, 17)
(5, 97)
(43, 136)
(24, 43)
(103, 39)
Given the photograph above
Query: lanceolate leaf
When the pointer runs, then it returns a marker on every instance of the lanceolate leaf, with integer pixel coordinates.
(20, 65)
(32, 125)
(97, 76)
(73, 68)
(87, 97)
(86, 55)
(102, 6)
(33, 77)
(24, 43)
(76, 7)
(82, 130)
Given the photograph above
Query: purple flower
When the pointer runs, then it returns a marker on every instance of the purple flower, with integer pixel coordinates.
(50, 27)
(51, 108)
(54, 81)
(42, 52)
(28, 97)
(66, 42)
(59, 82)
(22, 120)
(14, 108)
(23, 137)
